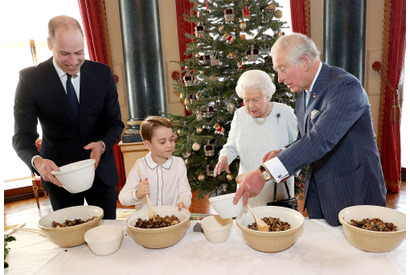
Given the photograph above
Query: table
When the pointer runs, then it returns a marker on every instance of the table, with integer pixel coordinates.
(321, 249)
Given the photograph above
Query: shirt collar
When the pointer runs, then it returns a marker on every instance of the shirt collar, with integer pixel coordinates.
(60, 72)
(152, 164)
(314, 79)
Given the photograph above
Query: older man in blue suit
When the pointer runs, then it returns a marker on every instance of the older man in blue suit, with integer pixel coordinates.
(336, 137)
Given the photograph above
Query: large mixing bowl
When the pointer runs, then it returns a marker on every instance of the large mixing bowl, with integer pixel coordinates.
(271, 241)
(71, 235)
(373, 241)
(159, 237)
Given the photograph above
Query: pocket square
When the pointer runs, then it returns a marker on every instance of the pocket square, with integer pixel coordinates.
(314, 114)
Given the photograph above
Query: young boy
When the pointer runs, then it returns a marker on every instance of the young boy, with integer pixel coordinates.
(164, 176)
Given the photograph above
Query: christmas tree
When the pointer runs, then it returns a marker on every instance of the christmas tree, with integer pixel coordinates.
(230, 38)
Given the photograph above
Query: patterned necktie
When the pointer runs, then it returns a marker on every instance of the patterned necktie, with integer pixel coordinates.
(72, 97)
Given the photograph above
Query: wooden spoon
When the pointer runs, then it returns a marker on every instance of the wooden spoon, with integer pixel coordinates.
(151, 211)
(261, 225)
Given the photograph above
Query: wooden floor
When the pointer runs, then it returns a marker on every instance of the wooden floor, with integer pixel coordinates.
(19, 212)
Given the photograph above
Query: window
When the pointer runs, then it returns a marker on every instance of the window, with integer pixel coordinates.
(24, 20)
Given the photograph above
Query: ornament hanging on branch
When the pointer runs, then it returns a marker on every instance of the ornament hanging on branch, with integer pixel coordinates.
(242, 25)
(209, 149)
(200, 30)
(229, 15)
(252, 54)
(219, 129)
(209, 170)
(246, 13)
(196, 146)
(201, 177)
(229, 38)
(189, 80)
(278, 14)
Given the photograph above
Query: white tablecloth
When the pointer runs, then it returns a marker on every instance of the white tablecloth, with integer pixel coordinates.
(321, 249)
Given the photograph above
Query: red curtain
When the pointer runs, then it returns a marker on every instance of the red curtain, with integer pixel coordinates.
(98, 43)
(183, 7)
(394, 44)
(300, 16)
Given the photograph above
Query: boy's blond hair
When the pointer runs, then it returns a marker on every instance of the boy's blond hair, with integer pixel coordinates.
(150, 123)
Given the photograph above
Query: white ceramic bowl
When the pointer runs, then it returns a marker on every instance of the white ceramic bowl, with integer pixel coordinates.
(373, 241)
(104, 239)
(216, 229)
(158, 237)
(271, 241)
(224, 206)
(72, 235)
(77, 176)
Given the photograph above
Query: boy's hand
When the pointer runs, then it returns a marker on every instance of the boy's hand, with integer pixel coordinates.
(143, 189)
(182, 205)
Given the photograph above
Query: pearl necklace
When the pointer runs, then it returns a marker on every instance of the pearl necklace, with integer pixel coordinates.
(261, 122)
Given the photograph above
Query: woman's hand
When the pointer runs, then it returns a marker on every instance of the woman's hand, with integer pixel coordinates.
(143, 189)
(222, 165)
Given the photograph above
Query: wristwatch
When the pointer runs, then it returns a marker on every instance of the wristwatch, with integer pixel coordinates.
(265, 173)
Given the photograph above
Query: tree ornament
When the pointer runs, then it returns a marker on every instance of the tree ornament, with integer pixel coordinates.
(242, 25)
(201, 177)
(246, 13)
(196, 146)
(263, 16)
(187, 102)
(219, 129)
(213, 78)
(228, 38)
(186, 155)
(240, 65)
(221, 29)
(229, 15)
(229, 177)
(252, 54)
(272, 7)
(200, 30)
(231, 107)
(199, 130)
(209, 170)
(179, 132)
(231, 56)
(189, 80)
(209, 149)
(278, 14)
(214, 58)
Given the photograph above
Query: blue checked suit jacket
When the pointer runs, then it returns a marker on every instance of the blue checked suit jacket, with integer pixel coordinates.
(337, 140)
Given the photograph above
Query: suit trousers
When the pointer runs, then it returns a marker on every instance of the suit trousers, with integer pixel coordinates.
(99, 195)
(312, 202)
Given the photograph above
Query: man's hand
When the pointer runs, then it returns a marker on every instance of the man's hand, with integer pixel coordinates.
(250, 185)
(44, 168)
(222, 165)
(96, 151)
(271, 155)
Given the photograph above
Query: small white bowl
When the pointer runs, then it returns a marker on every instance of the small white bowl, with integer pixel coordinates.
(373, 241)
(77, 176)
(216, 229)
(104, 239)
(224, 206)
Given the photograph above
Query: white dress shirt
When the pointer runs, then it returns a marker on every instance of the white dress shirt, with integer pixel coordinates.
(168, 183)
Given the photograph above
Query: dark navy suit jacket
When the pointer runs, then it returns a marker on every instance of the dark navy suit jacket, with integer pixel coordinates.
(336, 138)
(41, 95)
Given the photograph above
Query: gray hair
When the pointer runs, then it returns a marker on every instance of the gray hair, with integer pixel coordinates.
(255, 79)
(296, 45)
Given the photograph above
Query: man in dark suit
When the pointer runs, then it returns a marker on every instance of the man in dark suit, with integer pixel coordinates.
(88, 131)
(336, 135)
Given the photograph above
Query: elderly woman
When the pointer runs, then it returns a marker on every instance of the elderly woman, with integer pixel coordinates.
(256, 128)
